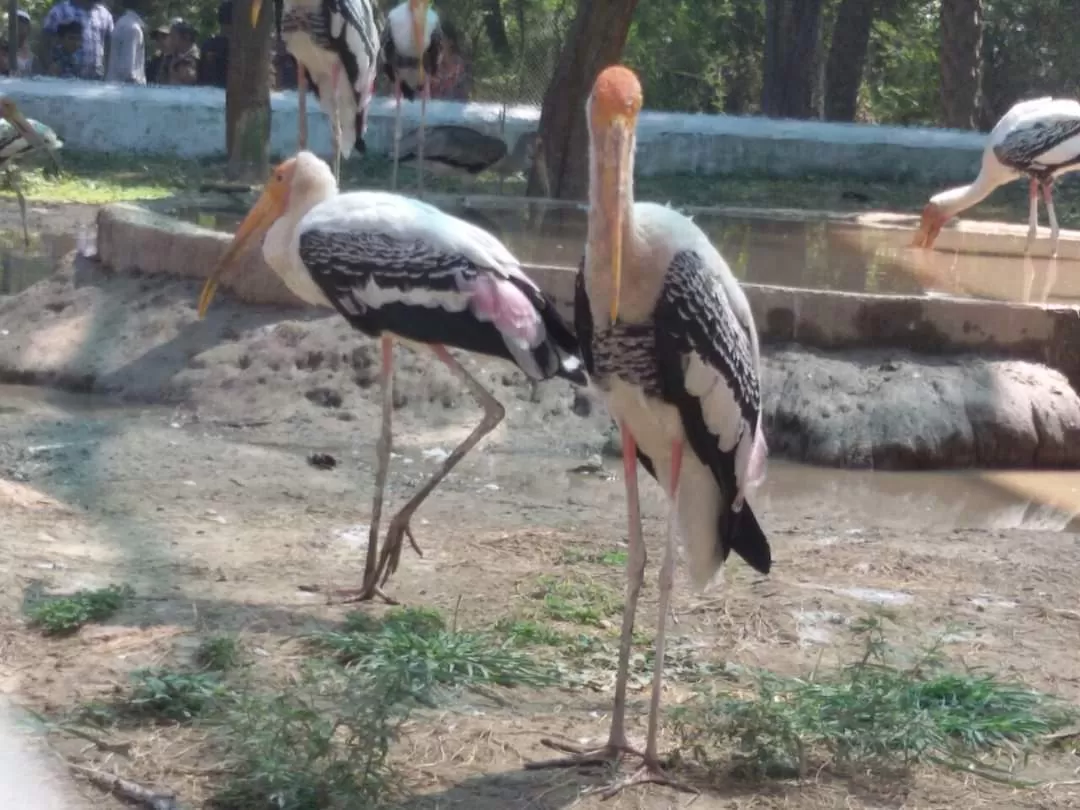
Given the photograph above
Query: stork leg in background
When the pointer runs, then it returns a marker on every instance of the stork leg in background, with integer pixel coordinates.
(425, 94)
(493, 415)
(13, 181)
(335, 121)
(635, 575)
(397, 135)
(1055, 231)
(301, 104)
(1033, 213)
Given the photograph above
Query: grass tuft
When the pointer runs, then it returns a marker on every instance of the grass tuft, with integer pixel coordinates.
(63, 615)
(322, 742)
(578, 602)
(415, 648)
(162, 694)
(870, 714)
(218, 654)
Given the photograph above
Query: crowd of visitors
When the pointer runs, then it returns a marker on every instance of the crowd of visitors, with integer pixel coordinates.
(80, 39)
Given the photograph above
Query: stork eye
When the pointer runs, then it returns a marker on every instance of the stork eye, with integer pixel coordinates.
(280, 177)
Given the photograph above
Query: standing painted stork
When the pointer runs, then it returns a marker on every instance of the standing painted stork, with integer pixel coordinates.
(395, 267)
(328, 38)
(411, 44)
(668, 337)
(21, 137)
(1039, 138)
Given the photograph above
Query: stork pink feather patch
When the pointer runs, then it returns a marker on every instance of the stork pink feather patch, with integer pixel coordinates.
(500, 302)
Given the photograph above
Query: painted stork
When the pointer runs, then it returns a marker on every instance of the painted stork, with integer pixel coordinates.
(21, 137)
(411, 44)
(328, 38)
(668, 337)
(451, 149)
(1039, 138)
(395, 267)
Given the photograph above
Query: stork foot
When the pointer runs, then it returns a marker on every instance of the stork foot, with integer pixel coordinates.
(350, 596)
(580, 755)
(650, 772)
(396, 533)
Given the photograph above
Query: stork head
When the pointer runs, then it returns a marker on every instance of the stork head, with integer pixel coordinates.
(934, 216)
(418, 11)
(294, 187)
(613, 109)
(11, 112)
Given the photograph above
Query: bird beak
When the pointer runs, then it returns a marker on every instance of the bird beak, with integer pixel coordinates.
(929, 228)
(267, 210)
(256, 7)
(614, 191)
(419, 24)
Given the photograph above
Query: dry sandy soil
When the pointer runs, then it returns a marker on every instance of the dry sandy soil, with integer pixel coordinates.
(202, 499)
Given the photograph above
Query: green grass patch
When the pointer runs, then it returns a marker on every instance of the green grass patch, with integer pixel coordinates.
(416, 648)
(872, 714)
(63, 615)
(574, 555)
(218, 654)
(577, 601)
(164, 694)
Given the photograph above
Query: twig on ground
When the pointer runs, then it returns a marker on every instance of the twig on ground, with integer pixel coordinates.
(126, 789)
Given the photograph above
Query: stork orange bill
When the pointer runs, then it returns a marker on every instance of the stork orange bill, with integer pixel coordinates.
(929, 226)
(266, 211)
(616, 102)
(256, 7)
(419, 9)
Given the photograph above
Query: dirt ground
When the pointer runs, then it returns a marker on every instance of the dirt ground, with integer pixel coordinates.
(205, 504)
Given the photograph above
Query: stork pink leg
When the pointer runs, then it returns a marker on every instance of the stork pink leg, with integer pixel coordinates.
(301, 103)
(370, 587)
(635, 575)
(425, 96)
(1048, 198)
(651, 769)
(335, 122)
(399, 525)
(1033, 213)
(397, 134)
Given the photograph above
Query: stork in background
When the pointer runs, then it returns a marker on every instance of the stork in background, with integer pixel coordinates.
(1039, 138)
(395, 267)
(411, 44)
(668, 338)
(20, 138)
(328, 38)
(451, 149)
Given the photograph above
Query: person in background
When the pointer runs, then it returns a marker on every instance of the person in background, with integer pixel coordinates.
(65, 61)
(182, 62)
(127, 51)
(214, 64)
(97, 26)
(454, 77)
(25, 55)
(156, 54)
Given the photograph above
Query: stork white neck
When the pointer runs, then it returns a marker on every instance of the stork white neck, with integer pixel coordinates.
(955, 200)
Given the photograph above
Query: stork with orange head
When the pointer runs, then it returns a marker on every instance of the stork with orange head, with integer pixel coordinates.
(669, 340)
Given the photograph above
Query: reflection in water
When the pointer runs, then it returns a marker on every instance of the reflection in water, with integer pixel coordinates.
(817, 254)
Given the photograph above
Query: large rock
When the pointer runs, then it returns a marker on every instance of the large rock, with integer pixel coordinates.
(899, 411)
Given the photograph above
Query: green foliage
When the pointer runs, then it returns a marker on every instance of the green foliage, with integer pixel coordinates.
(322, 742)
(870, 714)
(577, 601)
(164, 694)
(414, 648)
(66, 614)
(218, 653)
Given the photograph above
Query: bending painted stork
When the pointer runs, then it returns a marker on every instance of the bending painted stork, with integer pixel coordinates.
(399, 268)
(452, 149)
(1039, 138)
(411, 44)
(667, 336)
(21, 137)
(328, 38)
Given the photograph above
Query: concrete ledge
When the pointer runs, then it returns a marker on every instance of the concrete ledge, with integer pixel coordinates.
(190, 122)
(132, 237)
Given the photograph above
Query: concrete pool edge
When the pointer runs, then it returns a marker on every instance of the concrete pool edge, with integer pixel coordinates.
(133, 237)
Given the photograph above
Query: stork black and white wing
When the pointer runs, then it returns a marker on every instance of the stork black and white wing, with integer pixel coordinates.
(1044, 136)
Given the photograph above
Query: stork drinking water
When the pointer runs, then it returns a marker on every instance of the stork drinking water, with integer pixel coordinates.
(668, 337)
(397, 267)
(1039, 138)
(411, 44)
(336, 43)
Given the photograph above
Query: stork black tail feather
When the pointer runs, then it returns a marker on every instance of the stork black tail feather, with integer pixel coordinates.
(740, 532)
(565, 342)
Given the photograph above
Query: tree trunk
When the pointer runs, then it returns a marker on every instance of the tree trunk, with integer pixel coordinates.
(595, 41)
(961, 61)
(791, 44)
(495, 26)
(847, 55)
(247, 97)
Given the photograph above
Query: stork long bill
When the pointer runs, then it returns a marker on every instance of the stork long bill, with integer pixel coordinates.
(256, 7)
(929, 227)
(614, 198)
(266, 211)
